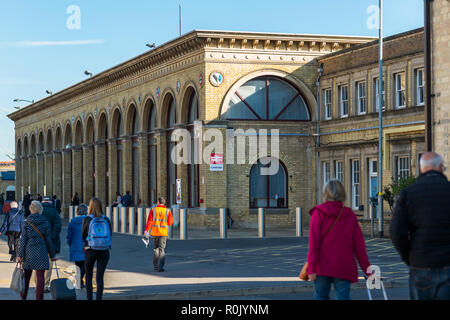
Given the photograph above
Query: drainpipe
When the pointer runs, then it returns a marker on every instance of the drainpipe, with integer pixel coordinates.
(428, 94)
(320, 71)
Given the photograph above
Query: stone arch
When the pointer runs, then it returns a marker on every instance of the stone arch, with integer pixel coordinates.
(67, 135)
(41, 142)
(132, 120)
(102, 126)
(149, 107)
(116, 123)
(33, 144)
(169, 99)
(58, 138)
(26, 146)
(49, 140)
(305, 92)
(78, 133)
(19, 152)
(89, 133)
(188, 91)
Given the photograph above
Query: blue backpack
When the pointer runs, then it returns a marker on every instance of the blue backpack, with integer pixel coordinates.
(99, 236)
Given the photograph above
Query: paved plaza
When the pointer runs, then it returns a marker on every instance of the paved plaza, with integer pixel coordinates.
(207, 267)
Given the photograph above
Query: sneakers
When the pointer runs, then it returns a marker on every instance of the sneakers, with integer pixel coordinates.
(47, 290)
(13, 259)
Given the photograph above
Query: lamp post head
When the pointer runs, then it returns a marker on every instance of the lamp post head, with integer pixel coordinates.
(48, 92)
(88, 73)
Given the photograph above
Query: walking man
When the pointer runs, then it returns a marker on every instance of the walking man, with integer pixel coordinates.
(159, 220)
(420, 230)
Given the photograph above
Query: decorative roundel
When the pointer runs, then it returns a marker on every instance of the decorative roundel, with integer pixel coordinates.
(216, 78)
(178, 86)
(139, 99)
(201, 79)
(157, 93)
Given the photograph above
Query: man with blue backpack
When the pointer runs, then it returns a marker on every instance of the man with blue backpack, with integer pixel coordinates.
(96, 232)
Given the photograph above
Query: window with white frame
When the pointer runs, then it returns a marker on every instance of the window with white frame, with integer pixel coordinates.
(343, 101)
(420, 97)
(356, 178)
(400, 89)
(402, 167)
(339, 170)
(327, 103)
(377, 94)
(361, 97)
(326, 172)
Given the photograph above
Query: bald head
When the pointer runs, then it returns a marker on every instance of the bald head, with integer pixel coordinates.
(431, 161)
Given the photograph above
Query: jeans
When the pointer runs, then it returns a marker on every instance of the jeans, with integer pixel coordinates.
(429, 283)
(322, 287)
(102, 258)
(159, 256)
(13, 242)
(80, 265)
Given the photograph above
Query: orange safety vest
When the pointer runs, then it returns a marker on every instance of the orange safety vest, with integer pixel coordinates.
(160, 227)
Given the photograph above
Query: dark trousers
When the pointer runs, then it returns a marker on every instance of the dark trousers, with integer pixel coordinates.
(159, 255)
(429, 283)
(102, 258)
(13, 241)
(40, 281)
(80, 264)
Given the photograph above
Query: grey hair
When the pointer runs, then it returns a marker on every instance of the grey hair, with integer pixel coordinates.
(36, 207)
(436, 162)
(334, 191)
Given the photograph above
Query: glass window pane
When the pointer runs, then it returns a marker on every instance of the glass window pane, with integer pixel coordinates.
(280, 94)
(277, 189)
(193, 110)
(258, 187)
(238, 110)
(254, 93)
(297, 110)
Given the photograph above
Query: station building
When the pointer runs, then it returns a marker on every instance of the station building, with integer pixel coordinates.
(114, 132)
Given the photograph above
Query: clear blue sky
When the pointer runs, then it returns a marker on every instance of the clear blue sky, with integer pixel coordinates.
(114, 31)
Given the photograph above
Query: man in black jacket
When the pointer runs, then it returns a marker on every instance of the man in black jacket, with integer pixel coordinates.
(420, 230)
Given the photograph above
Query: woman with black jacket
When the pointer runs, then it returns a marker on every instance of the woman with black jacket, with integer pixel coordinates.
(93, 255)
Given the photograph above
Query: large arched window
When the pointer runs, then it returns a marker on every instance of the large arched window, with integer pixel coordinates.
(267, 98)
(193, 168)
(268, 191)
(151, 155)
(171, 166)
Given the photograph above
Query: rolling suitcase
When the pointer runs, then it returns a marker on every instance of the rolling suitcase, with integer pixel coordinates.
(62, 288)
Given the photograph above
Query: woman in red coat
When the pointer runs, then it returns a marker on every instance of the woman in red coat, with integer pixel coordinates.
(335, 239)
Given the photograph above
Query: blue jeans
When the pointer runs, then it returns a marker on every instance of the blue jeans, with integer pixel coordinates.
(322, 287)
(429, 283)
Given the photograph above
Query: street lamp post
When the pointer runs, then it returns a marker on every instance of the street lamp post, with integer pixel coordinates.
(19, 100)
(380, 127)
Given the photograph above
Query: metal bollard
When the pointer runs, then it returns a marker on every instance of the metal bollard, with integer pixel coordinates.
(116, 219)
(131, 220)
(298, 224)
(123, 219)
(261, 223)
(140, 220)
(170, 228)
(223, 223)
(183, 224)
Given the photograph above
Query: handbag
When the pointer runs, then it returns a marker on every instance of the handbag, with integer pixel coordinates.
(18, 279)
(304, 273)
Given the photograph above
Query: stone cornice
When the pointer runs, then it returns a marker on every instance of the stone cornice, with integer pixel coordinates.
(151, 61)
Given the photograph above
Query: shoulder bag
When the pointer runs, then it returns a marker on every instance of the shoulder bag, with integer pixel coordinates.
(304, 273)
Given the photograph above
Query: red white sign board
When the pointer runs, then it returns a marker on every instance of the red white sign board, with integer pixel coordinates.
(216, 162)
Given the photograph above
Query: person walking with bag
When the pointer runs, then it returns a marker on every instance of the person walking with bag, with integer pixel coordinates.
(35, 247)
(75, 240)
(335, 240)
(96, 232)
(13, 225)
(159, 220)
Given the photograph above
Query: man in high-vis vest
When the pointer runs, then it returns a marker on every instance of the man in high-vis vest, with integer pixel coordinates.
(159, 220)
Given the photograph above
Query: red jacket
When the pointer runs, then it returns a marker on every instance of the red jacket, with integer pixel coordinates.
(335, 255)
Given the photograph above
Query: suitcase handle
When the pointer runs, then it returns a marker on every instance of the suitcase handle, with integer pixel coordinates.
(56, 267)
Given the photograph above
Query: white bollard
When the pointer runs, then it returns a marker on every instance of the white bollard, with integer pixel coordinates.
(116, 219)
(223, 223)
(123, 220)
(140, 221)
(183, 224)
(71, 213)
(261, 223)
(108, 213)
(298, 218)
(131, 219)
